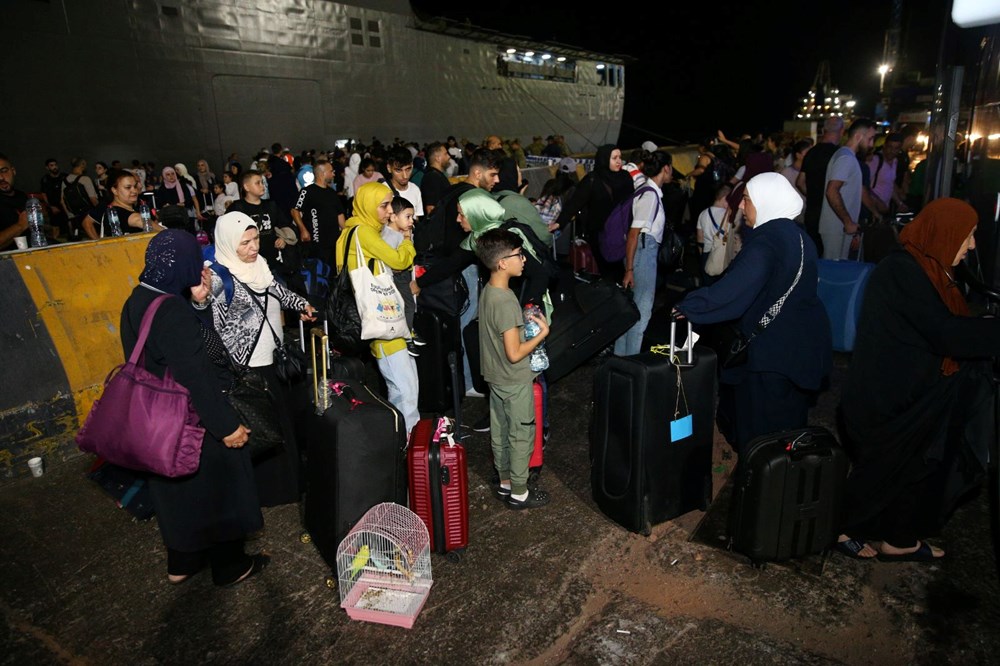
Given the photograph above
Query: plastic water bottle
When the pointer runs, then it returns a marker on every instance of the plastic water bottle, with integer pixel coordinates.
(539, 358)
(114, 222)
(146, 215)
(36, 218)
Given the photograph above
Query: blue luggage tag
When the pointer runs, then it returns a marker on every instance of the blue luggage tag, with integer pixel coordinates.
(681, 428)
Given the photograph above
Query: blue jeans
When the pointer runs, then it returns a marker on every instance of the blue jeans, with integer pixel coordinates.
(643, 291)
(400, 373)
(471, 277)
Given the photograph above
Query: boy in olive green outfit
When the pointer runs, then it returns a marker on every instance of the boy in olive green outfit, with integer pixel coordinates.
(504, 358)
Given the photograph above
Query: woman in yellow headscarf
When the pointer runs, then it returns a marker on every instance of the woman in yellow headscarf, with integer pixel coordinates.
(372, 207)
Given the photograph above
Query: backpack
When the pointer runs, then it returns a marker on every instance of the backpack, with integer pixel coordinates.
(431, 232)
(76, 197)
(227, 280)
(612, 238)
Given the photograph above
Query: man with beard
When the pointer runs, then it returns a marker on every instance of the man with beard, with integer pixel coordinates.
(319, 214)
(13, 221)
(838, 220)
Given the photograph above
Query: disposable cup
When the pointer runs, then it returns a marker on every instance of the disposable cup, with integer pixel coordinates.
(36, 466)
(21, 242)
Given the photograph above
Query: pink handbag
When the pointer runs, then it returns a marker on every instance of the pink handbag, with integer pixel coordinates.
(143, 422)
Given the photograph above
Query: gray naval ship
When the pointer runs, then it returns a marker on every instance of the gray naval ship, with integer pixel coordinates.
(177, 80)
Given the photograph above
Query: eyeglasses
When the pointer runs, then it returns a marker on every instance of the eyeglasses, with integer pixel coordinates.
(517, 254)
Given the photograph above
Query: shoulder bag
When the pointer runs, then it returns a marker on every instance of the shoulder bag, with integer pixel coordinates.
(379, 302)
(142, 421)
(289, 361)
(342, 314)
(729, 342)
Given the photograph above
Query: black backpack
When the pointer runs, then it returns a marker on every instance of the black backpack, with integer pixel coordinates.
(75, 196)
(431, 233)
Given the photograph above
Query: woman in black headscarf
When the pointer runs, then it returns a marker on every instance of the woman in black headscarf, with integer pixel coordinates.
(593, 200)
(204, 518)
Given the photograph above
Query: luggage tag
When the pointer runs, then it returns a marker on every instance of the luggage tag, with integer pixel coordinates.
(681, 427)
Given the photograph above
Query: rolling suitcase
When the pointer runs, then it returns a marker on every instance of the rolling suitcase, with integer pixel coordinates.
(355, 452)
(582, 258)
(787, 495)
(443, 334)
(537, 453)
(841, 287)
(652, 437)
(597, 314)
(439, 485)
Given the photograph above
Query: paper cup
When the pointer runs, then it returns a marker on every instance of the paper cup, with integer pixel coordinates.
(21, 242)
(36, 466)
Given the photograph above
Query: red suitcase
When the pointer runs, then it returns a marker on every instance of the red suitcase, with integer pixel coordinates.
(536, 454)
(439, 485)
(582, 258)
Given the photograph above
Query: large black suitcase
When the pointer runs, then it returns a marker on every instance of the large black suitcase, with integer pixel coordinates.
(355, 458)
(787, 495)
(596, 315)
(639, 477)
(443, 334)
(470, 338)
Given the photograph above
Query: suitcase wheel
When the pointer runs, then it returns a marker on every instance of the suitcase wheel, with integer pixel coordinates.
(533, 475)
(305, 537)
(455, 556)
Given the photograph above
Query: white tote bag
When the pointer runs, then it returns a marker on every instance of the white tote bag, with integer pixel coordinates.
(379, 303)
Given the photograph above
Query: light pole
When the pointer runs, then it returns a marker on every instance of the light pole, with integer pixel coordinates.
(882, 71)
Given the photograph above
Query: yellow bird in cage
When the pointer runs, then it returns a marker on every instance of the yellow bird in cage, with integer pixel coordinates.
(360, 560)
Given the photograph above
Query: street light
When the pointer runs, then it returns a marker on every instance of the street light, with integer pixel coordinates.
(882, 71)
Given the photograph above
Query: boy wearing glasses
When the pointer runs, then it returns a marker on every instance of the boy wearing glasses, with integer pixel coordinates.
(504, 358)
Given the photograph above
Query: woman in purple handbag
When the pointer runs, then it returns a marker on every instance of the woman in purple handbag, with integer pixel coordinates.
(204, 518)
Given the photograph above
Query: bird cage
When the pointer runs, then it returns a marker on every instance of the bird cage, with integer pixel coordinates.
(384, 566)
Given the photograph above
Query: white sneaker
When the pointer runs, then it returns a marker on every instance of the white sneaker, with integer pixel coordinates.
(473, 393)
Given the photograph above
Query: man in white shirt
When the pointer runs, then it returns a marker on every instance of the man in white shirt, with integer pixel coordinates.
(838, 220)
(400, 165)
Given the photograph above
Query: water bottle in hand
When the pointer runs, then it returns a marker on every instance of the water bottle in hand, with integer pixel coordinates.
(539, 358)
(146, 215)
(114, 222)
(36, 218)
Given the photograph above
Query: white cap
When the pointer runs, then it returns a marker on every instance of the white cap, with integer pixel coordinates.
(649, 146)
(567, 165)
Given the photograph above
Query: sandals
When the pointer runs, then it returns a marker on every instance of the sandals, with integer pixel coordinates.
(259, 562)
(852, 548)
(536, 498)
(921, 554)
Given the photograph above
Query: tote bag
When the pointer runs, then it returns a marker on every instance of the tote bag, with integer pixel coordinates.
(718, 260)
(379, 303)
(141, 421)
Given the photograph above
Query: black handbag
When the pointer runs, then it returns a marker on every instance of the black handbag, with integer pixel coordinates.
(449, 296)
(342, 316)
(289, 361)
(257, 406)
(671, 249)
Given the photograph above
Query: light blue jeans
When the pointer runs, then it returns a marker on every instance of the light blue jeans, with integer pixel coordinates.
(471, 277)
(400, 373)
(643, 292)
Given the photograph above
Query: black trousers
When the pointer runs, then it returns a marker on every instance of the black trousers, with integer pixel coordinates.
(227, 560)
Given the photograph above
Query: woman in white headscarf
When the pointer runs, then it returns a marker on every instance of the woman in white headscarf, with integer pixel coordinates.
(769, 291)
(350, 173)
(246, 307)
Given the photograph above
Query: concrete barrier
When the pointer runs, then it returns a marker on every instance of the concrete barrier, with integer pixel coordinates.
(61, 308)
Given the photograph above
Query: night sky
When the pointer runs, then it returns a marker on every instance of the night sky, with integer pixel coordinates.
(740, 67)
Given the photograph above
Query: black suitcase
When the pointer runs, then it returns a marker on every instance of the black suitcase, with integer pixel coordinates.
(470, 338)
(443, 334)
(597, 314)
(788, 495)
(355, 455)
(639, 477)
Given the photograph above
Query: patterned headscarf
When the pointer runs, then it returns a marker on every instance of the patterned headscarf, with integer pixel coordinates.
(483, 213)
(934, 238)
(173, 262)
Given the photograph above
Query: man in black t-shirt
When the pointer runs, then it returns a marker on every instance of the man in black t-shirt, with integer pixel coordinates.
(435, 183)
(13, 221)
(811, 181)
(266, 215)
(318, 212)
(51, 187)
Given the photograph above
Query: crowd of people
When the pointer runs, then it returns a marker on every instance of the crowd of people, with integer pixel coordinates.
(448, 214)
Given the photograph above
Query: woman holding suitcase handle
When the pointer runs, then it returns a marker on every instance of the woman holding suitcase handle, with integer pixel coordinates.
(917, 409)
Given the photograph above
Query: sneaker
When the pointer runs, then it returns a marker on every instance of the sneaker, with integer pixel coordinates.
(473, 393)
(482, 425)
(417, 340)
(411, 348)
(536, 498)
(502, 493)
